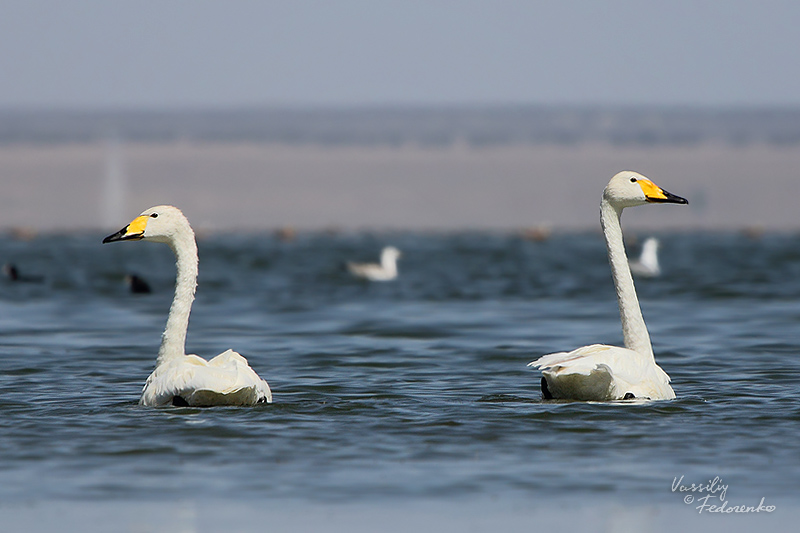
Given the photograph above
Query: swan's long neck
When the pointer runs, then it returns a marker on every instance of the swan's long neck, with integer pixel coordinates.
(173, 341)
(634, 330)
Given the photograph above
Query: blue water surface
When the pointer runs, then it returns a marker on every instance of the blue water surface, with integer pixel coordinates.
(408, 393)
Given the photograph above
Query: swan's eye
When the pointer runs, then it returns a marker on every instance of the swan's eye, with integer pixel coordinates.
(633, 180)
(154, 215)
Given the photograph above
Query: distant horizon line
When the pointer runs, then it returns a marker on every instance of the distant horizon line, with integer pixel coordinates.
(401, 106)
(533, 233)
(433, 125)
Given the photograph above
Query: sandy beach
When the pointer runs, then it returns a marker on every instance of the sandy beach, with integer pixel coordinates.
(227, 186)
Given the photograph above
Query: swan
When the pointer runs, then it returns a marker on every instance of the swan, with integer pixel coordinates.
(647, 264)
(600, 372)
(385, 271)
(180, 379)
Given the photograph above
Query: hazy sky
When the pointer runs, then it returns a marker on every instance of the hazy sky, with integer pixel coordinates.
(163, 53)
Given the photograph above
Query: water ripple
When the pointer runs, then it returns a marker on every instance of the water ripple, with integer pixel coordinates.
(417, 388)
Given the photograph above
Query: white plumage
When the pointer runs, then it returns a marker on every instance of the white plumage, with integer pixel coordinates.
(181, 379)
(599, 372)
(385, 271)
(647, 264)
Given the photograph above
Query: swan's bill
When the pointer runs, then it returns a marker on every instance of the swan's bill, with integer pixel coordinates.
(655, 194)
(132, 232)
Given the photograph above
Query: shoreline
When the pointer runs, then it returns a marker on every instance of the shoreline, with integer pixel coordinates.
(228, 186)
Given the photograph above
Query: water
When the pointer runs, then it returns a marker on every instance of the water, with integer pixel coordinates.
(412, 394)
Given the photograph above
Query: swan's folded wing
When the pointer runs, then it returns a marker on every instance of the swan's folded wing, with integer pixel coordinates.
(238, 372)
(601, 372)
(623, 364)
(582, 374)
(225, 380)
(584, 360)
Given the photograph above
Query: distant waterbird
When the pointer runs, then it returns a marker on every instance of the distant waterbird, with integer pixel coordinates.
(137, 284)
(647, 265)
(385, 271)
(11, 271)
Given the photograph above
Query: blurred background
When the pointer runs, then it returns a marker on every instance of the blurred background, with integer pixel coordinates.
(396, 115)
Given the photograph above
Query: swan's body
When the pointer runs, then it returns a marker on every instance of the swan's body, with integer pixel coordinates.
(385, 271)
(647, 264)
(600, 372)
(181, 379)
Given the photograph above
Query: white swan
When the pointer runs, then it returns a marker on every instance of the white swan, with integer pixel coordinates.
(600, 372)
(181, 379)
(647, 264)
(385, 271)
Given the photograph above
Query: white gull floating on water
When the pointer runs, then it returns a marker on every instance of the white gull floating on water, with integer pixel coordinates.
(647, 264)
(385, 271)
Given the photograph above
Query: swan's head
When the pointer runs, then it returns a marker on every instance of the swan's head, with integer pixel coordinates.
(629, 188)
(159, 224)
